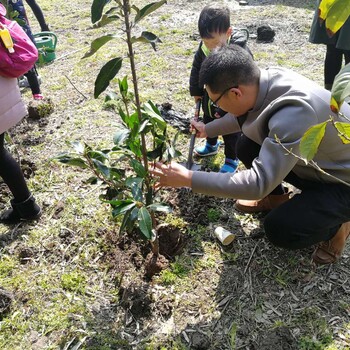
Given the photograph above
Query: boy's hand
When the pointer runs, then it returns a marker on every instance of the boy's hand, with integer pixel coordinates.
(200, 127)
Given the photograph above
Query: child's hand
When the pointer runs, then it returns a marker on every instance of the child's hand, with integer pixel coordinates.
(200, 127)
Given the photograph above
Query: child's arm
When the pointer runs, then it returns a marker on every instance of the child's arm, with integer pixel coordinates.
(195, 89)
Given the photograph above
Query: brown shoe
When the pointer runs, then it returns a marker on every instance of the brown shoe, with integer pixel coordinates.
(262, 205)
(329, 252)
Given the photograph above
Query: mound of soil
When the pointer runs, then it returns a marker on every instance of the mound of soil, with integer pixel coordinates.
(5, 301)
(154, 264)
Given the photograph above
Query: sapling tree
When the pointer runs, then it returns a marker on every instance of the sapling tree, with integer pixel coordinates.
(142, 138)
(313, 136)
(334, 13)
(310, 141)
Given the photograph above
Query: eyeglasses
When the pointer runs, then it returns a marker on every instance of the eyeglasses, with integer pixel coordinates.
(223, 93)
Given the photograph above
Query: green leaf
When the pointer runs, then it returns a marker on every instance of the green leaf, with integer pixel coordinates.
(78, 147)
(153, 113)
(74, 161)
(122, 115)
(133, 123)
(171, 153)
(129, 219)
(106, 20)
(135, 184)
(123, 86)
(341, 88)
(344, 131)
(98, 43)
(121, 206)
(335, 13)
(102, 168)
(145, 223)
(111, 96)
(311, 140)
(162, 207)
(147, 37)
(101, 156)
(120, 136)
(116, 174)
(138, 168)
(91, 180)
(97, 9)
(143, 126)
(106, 74)
(145, 11)
(156, 153)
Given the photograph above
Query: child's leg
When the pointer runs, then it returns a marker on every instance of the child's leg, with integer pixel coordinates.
(211, 146)
(332, 65)
(230, 145)
(12, 174)
(247, 151)
(33, 81)
(211, 140)
(23, 205)
(38, 14)
(231, 162)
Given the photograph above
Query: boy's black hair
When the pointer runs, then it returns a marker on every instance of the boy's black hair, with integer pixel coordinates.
(213, 19)
(228, 66)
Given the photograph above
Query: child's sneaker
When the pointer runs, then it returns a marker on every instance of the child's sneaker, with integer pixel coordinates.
(38, 97)
(23, 82)
(230, 165)
(207, 149)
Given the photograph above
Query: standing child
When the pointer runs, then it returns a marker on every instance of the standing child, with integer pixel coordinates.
(31, 75)
(12, 110)
(215, 30)
(337, 46)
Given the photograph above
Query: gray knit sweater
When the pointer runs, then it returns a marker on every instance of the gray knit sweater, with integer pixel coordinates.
(287, 105)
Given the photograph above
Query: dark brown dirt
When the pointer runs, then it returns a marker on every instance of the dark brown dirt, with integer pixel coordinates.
(171, 240)
(154, 264)
(6, 299)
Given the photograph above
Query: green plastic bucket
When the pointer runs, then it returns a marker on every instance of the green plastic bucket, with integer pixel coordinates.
(46, 44)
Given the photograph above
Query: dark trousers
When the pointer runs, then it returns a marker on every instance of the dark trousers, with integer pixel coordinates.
(31, 75)
(333, 63)
(12, 174)
(310, 217)
(38, 14)
(230, 140)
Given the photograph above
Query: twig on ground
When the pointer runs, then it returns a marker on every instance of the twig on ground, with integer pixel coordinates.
(75, 87)
(250, 258)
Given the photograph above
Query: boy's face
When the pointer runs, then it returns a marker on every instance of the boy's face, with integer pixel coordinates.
(217, 40)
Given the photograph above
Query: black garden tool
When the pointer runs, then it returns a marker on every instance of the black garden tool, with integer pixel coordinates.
(190, 164)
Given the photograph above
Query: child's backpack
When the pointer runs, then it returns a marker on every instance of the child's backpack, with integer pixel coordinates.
(17, 56)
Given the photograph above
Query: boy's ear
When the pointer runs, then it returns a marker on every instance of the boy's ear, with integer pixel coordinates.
(229, 32)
